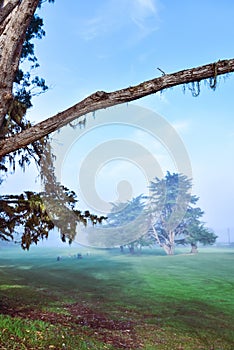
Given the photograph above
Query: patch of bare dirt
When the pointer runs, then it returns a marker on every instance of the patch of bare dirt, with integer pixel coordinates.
(118, 333)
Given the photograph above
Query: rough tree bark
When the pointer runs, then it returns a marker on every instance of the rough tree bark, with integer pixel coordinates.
(102, 99)
(16, 16)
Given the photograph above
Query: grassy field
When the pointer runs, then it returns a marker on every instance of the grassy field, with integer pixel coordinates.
(111, 301)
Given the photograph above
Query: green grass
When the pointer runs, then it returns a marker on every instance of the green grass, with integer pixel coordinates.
(176, 302)
(20, 334)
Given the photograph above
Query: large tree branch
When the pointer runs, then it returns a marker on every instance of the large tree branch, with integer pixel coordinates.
(101, 99)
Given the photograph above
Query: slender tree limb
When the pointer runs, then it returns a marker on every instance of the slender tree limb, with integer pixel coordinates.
(101, 99)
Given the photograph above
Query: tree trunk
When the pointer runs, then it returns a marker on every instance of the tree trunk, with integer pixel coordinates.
(168, 246)
(131, 248)
(194, 249)
(15, 17)
(169, 249)
(98, 100)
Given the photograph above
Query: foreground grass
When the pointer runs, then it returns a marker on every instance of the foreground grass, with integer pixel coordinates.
(18, 333)
(178, 302)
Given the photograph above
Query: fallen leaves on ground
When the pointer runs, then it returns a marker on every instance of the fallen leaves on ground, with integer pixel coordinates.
(118, 333)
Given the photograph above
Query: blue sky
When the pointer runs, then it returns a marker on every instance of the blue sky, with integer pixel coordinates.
(110, 44)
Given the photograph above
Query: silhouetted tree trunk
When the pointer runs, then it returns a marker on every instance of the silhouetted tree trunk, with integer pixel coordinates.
(194, 249)
(131, 248)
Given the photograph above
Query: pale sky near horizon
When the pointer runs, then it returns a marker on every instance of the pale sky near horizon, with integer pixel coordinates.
(111, 44)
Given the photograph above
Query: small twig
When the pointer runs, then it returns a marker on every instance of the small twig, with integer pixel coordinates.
(163, 73)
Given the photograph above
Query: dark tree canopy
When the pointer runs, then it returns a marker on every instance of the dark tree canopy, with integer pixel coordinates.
(174, 215)
(123, 214)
